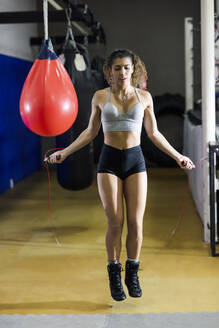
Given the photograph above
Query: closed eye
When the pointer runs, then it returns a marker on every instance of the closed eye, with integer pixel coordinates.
(117, 68)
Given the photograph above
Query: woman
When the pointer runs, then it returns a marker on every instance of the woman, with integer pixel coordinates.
(121, 169)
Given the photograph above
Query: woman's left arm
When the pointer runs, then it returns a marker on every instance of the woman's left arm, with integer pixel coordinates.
(159, 140)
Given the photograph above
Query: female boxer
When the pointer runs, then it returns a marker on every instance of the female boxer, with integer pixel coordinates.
(121, 171)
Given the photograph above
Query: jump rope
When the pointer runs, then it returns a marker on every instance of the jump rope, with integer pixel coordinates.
(173, 232)
(53, 230)
(184, 203)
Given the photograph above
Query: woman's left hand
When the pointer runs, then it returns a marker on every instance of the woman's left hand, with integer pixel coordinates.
(185, 163)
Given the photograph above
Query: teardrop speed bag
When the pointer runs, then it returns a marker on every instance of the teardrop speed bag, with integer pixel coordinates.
(48, 102)
(76, 172)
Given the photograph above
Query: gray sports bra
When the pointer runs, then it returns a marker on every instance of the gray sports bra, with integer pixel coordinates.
(114, 120)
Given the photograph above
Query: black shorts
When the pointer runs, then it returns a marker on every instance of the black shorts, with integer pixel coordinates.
(121, 163)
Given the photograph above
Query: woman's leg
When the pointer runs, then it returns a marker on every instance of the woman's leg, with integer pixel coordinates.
(135, 192)
(111, 193)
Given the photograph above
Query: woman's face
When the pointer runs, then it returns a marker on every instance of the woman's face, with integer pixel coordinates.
(121, 71)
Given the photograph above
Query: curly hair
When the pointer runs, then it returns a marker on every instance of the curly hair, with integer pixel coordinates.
(140, 73)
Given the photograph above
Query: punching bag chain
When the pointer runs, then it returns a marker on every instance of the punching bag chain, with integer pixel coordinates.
(68, 12)
(45, 18)
(69, 34)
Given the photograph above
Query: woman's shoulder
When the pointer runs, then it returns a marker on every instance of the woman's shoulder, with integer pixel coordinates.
(144, 93)
(102, 92)
(145, 96)
(100, 95)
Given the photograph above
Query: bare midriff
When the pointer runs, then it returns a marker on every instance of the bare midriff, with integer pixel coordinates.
(122, 139)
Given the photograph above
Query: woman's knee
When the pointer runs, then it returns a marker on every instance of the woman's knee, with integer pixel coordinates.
(115, 224)
(135, 229)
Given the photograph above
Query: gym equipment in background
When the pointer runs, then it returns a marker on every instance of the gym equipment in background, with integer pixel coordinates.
(99, 83)
(169, 111)
(76, 172)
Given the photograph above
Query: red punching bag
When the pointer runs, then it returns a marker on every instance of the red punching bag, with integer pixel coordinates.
(48, 102)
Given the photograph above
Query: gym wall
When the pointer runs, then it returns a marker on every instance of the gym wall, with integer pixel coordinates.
(20, 148)
(154, 29)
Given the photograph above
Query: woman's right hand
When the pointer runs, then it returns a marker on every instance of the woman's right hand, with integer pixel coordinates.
(56, 158)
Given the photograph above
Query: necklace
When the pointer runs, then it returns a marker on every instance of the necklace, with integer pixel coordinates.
(125, 96)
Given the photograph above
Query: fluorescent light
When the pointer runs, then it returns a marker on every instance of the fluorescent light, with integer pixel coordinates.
(55, 5)
(76, 25)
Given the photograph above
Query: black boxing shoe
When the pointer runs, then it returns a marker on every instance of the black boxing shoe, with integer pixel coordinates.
(116, 289)
(131, 279)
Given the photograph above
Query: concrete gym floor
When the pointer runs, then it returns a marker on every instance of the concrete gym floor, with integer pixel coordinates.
(39, 277)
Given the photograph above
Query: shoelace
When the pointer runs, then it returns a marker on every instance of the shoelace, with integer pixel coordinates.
(134, 279)
(132, 275)
(115, 279)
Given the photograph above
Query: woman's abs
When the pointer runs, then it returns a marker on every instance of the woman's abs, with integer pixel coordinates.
(122, 139)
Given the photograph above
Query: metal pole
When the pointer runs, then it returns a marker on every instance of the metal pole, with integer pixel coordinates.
(189, 93)
(212, 199)
(208, 98)
(217, 6)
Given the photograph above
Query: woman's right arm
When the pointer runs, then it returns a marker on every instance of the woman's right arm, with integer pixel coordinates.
(84, 138)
